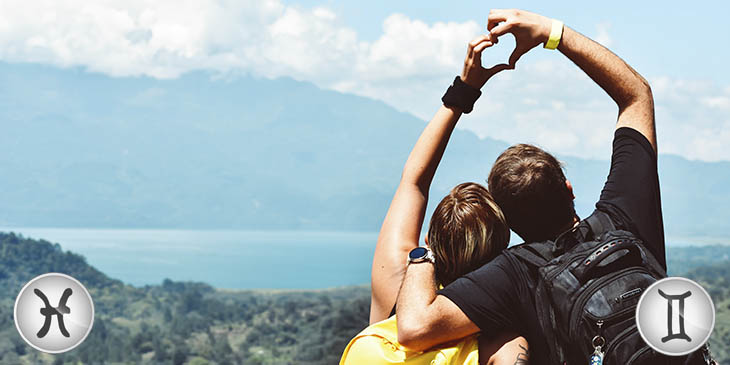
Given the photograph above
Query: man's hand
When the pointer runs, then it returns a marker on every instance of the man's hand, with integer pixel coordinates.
(529, 29)
(623, 84)
(474, 74)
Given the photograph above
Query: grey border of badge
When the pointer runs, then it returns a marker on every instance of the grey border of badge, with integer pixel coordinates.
(702, 343)
(15, 312)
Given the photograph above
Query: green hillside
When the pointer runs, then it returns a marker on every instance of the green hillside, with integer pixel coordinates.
(194, 323)
(684, 259)
(176, 323)
(716, 279)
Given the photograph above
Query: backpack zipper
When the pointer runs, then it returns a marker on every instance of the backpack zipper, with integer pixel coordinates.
(583, 297)
(636, 355)
(616, 317)
(623, 334)
(628, 295)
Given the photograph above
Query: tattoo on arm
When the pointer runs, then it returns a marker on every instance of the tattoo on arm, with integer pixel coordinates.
(523, 357)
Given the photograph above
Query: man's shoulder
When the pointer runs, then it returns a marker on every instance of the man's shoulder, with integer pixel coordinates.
(543, 249)
(618, 216)
(526, 244)
(495, 279)
(501, 268)
(517, 266)
(500, 262)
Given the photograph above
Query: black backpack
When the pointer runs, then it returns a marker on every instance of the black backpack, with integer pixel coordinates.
(589, 281)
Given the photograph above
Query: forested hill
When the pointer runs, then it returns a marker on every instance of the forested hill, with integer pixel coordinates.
(176, 323)
(194, 323)
(22, 259)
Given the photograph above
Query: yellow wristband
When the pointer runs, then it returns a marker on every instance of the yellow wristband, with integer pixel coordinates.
(556, 32)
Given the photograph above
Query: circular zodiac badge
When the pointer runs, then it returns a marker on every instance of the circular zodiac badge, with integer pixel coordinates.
(675, 316)
(54, 313)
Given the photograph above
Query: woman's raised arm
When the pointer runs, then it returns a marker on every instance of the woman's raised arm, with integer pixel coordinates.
(402, 225)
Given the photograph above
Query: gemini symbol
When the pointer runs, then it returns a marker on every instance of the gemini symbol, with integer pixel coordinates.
(682, 335)
(48, 311)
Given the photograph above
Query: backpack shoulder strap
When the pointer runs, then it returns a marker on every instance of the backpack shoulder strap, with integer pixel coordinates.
(600, 223)
(537, 254)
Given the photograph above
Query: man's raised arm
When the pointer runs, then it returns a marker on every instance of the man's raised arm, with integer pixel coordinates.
(627, 88)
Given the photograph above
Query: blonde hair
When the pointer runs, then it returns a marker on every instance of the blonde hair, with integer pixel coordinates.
(467, 230)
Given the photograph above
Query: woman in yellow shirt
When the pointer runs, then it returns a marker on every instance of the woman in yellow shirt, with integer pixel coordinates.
(467, 228)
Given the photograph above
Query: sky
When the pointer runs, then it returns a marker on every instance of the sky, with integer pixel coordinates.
(405, 53)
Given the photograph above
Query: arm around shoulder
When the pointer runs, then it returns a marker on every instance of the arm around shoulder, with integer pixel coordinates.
(426, 319)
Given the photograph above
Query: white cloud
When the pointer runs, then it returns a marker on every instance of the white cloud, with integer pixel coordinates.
(692, 118)
(168, 37)
(721, 102)
(549, 102)
(566, 112)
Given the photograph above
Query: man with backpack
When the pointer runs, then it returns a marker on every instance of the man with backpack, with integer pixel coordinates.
(572, 288)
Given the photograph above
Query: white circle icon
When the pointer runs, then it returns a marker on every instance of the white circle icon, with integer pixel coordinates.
(54, 313)
(675, 316)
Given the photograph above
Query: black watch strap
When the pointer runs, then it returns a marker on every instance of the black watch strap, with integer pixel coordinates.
(461, 95)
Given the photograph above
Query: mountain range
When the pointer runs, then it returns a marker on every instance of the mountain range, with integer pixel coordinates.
(79, 149)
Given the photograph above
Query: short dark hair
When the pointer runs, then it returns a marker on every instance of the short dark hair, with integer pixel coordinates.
(466, 231)
(529, 185)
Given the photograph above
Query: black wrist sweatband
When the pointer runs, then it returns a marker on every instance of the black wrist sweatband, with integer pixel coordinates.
(461, 95)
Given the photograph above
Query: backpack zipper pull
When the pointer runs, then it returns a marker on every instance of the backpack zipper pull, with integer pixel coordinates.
(597, 357)
(598, 342)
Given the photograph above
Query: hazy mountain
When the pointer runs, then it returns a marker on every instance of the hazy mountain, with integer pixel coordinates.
(86, 150)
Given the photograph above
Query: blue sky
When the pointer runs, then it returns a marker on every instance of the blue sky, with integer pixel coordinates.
(405, 53)
(679, 38)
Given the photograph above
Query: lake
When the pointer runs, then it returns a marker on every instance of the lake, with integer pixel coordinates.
(235, 259)
(223, 258)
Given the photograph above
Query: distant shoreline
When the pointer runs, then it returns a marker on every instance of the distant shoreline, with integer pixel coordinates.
(230, 259)
(258, 260)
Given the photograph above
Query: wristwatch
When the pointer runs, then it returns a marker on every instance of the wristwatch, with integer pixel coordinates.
(421, 254)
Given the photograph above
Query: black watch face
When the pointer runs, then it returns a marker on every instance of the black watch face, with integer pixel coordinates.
(417, 253)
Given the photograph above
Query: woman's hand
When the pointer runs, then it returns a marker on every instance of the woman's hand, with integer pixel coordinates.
(474, 74)
(529, 29)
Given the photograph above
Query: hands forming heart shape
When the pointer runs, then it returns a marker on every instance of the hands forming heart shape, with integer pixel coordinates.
(474, 74)
(529, 30)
